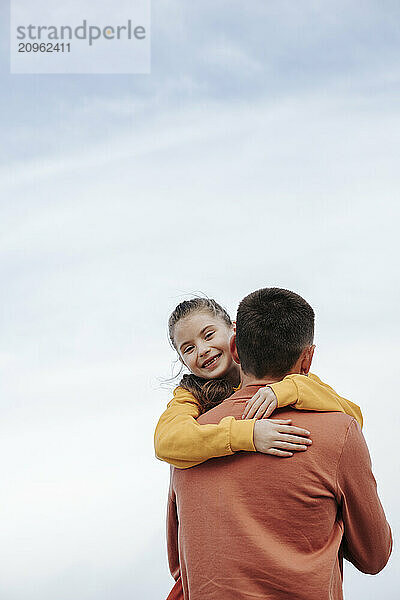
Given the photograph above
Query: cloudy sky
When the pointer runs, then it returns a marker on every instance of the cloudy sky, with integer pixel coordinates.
(262, 150)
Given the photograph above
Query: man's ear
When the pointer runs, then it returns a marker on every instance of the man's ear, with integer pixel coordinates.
(234, 327)
(306, 360)
(233, 349)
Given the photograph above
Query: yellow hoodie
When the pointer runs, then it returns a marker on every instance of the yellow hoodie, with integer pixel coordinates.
(182, 442)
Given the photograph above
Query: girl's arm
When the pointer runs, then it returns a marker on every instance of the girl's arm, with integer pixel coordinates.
(182, 442)
(304, 392)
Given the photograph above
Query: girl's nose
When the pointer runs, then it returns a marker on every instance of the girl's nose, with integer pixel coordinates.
(203, 350)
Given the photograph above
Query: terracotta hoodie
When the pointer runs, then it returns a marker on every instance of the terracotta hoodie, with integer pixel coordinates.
(254, 526)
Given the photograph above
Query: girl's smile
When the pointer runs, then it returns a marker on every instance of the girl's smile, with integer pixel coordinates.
(211, 362)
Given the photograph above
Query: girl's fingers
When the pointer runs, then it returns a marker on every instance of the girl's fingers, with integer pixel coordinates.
(288, 446)
(282, 453)
(249, 404)
(281, 421)
(294, 430)
(269, 410)
(294, 439)
(253, 409)
(261, 413)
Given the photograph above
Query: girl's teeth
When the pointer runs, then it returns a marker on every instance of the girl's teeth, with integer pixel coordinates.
(211, 361)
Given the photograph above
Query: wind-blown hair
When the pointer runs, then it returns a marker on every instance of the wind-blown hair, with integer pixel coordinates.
(208, 392)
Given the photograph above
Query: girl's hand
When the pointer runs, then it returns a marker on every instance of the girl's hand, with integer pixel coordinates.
(261, 405)
(279, 438)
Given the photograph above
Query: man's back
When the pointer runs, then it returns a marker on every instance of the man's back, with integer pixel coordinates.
(257, 526)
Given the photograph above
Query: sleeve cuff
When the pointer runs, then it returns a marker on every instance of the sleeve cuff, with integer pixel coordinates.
(242, 432)
(285, 391)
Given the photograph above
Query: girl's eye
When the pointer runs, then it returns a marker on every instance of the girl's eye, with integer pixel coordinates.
(188, 349)
(209, 335)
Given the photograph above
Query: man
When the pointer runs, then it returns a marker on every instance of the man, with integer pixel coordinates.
(253, 526)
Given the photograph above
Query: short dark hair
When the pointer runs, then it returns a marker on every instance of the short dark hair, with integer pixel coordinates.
(273, 327)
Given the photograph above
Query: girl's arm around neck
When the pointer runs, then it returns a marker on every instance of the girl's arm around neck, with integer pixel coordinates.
(181, 441)
(308, 392)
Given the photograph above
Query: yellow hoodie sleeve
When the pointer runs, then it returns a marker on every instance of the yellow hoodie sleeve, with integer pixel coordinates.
(182, 442)
(308, 392)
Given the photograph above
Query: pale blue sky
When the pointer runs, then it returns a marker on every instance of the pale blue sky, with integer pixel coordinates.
(262, 150)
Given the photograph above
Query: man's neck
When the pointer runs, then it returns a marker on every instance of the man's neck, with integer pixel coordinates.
(251, 380)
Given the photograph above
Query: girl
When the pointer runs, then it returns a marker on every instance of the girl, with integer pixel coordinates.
(200, 331)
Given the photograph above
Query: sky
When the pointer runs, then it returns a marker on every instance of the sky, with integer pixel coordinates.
(260, 151)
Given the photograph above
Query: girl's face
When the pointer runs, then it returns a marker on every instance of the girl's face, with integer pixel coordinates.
(202, 341)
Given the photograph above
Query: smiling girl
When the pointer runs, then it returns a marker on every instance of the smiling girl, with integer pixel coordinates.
(200, 330)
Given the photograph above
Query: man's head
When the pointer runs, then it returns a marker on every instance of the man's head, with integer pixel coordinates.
(274, 334)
